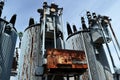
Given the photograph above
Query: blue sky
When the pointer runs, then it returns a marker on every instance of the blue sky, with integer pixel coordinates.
(72, 11)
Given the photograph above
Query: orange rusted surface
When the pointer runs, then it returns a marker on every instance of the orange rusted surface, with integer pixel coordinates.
(58, 58)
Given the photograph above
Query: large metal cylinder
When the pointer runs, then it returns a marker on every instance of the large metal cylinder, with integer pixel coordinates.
(8, 37)
(30, 57)
(82, 40)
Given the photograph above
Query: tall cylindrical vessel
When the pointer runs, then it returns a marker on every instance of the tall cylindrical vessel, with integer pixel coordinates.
(8, 37)
(81, 40)
(30, 56)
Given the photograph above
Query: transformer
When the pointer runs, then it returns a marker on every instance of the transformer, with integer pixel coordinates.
(45, 55)
(8, 37)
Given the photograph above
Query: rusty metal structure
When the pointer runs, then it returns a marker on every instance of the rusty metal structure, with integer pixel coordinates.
(45, 55)
(8, 37)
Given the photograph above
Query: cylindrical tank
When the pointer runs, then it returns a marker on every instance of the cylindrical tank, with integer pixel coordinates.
(8, 36)
(30, 57)
(81, 40)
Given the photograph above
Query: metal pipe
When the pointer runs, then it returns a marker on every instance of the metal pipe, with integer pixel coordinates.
(62, 32)
(106, 43)
(45, 6)
(43, 41)
(90, 76)
(114, 35)
(115, 49)
(54, 25)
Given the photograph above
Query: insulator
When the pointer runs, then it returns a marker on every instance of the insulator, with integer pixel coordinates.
(13, 19)
(40, 11)
(83, 24)
(88, 15)
(69, 29)
(74, 28)
(45, 5)
(94, 15)
(82, 20)
(31, 21)
(1, 7)
(53, 5)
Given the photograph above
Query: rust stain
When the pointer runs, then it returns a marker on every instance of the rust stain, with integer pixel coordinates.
(31, 48)
(58, 58)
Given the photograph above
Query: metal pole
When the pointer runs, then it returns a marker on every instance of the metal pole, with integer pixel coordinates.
(43, 41)
(106, 44)
(116, 49)
(54, 25)
(114, 35)
(86, 56)
(62, 33)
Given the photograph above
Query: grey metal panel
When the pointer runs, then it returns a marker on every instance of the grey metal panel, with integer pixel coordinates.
(90, 54)
(97, 36)
(74, 42)
(102, 58)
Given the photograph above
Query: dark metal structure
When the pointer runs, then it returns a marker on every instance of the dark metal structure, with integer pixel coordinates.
(8, 36)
